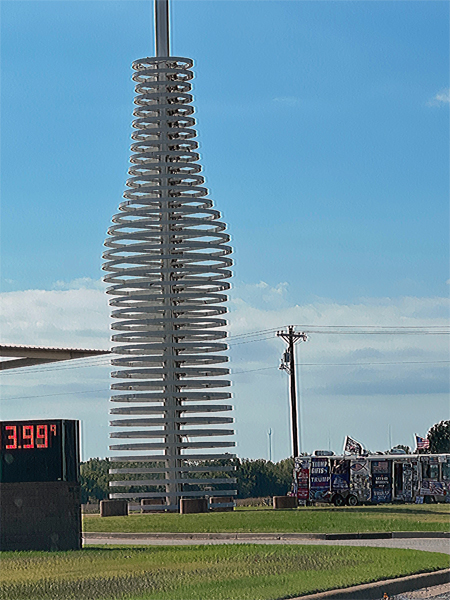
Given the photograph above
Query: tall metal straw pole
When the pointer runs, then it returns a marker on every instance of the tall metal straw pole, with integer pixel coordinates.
(172, 452)
(162, 28)
(288, 364)
(167, 263)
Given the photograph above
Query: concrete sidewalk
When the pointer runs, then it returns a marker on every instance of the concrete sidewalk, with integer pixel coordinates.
(436, 592)
(427, 542)
(404, 588)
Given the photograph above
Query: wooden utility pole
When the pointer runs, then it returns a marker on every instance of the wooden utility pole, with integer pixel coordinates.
(288, 365)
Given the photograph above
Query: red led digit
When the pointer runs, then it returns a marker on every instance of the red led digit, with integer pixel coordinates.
(41, 436)
(12, 437)
(53, 429)
(28, 434)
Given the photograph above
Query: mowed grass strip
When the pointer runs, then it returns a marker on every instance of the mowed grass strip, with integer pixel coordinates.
(244, 572)
(405, 517)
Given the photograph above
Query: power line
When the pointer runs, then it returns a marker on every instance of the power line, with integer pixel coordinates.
(400, 362)
(412, 362)
(270, 337)
(375, 326)
(250, 333)
(97, 362)
(355, 332)
(263, 335)
(57, 394)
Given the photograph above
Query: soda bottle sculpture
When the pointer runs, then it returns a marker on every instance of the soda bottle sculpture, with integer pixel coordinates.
(168, 263)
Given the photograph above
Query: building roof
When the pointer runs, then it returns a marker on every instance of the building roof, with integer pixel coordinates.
(26, 356)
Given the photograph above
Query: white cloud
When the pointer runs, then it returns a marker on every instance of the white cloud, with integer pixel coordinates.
(76, 317)
(443, 97)
(288, 100)
(260, 294)
(340, 392)
(82, 283)
(348, 383)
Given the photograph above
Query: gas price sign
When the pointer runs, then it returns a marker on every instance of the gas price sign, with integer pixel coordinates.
(39, 450)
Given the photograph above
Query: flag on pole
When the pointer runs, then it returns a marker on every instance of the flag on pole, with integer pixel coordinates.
(352, 446)
(422, 443)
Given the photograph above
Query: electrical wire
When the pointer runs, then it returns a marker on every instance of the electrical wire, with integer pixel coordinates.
(407, 362)
(260, 336)
(54, 366)
(56, 394)
(400, 362)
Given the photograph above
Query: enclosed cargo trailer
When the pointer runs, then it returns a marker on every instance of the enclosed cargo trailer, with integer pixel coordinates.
(372, 479)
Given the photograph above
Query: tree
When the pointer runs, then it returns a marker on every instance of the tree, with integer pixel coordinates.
(439, 437)
(255, 478)
(258, 478)
(284, 470)
(407, 449)
(94, 479)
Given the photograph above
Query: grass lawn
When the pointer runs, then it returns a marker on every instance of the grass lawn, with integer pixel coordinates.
(244, 572)
(403, 517)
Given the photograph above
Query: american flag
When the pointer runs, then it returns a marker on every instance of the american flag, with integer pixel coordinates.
(422, 443)
(436, 488)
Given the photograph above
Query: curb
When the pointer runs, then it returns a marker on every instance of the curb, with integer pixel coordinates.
(204, 536)
(375, 591)
(421, 534)
(272, 536)
(359, 536)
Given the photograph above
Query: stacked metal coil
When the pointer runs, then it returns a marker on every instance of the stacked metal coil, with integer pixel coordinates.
(168, 261)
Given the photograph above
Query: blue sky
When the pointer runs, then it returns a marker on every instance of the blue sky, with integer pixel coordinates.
(324, 137)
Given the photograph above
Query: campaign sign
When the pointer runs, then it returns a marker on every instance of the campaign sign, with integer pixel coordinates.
(303, 483)
(319, 479)
(340, 475)
(381, 481)
(360, 478)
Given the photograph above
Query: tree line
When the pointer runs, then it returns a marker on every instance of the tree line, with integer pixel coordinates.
(254, 478)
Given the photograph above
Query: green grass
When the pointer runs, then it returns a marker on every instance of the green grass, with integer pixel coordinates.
(404, 517)
(234, 572)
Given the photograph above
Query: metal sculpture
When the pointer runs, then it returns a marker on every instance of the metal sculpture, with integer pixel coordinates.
(167, 263)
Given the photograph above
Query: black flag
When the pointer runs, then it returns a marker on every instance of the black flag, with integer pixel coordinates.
(352, 446)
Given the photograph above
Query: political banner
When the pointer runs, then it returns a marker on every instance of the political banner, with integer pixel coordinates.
(340, 475)
(303, 481)
(320, 480)
(360, 479)
(381, 481)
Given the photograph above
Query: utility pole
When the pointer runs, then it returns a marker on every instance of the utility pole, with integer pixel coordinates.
(288, 365)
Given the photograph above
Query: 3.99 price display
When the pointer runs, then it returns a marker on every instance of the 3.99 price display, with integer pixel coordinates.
(27, 437)
(39, 450)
